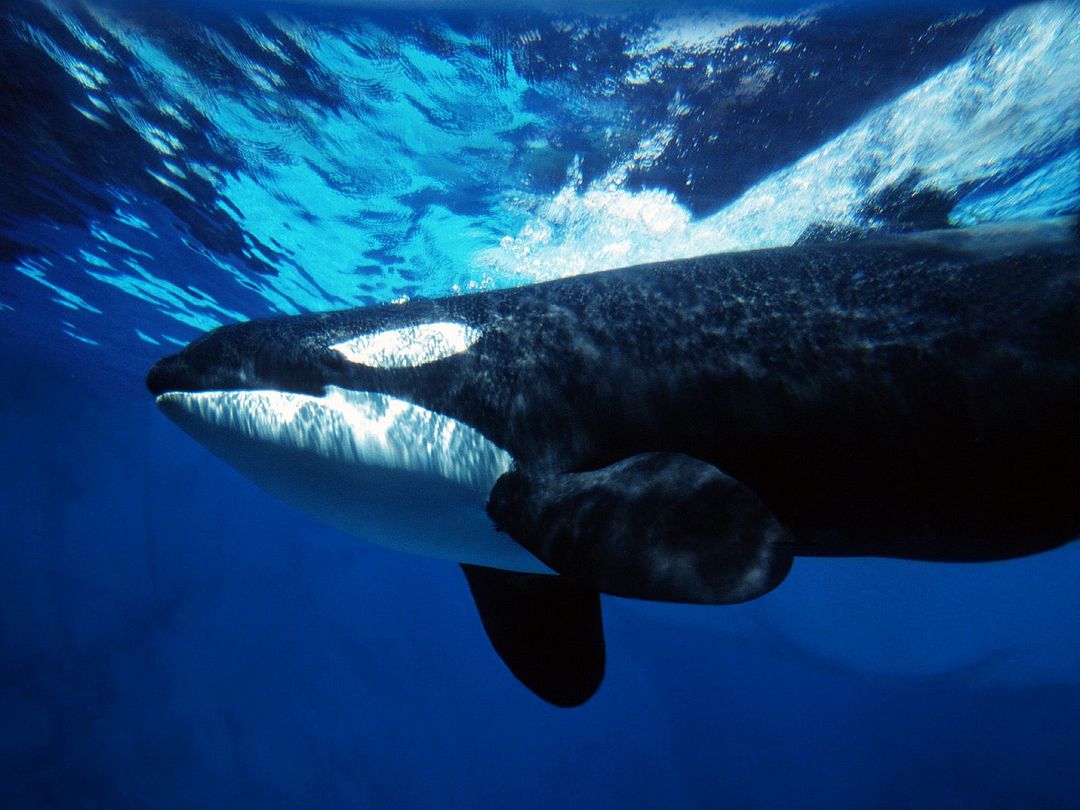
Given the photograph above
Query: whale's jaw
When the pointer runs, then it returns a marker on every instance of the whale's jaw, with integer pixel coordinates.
(373, 465)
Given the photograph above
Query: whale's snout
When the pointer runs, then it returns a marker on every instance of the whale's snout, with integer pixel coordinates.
(167, 374)
(223, 359)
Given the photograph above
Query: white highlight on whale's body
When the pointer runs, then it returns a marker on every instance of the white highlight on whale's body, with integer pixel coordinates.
(376, 466)
(410, 345)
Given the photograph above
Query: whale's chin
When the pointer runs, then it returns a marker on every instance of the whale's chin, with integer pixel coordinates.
(378, 467)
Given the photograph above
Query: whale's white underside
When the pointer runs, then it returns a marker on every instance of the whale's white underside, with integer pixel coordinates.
(376, 466)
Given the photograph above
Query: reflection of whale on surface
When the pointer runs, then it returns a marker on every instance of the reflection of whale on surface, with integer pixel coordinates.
(676, 431)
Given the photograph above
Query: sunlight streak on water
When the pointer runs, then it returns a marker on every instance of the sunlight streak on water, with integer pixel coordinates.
(1011, 101)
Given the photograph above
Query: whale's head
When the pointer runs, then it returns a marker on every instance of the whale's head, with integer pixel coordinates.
(306, 408)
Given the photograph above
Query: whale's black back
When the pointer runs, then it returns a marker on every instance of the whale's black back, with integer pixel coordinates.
(914, 396)
(911, 397)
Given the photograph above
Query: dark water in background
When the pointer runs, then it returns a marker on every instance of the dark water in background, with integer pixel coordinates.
(172, 637)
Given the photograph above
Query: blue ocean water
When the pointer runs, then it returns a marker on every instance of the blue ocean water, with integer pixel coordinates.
(171, 636)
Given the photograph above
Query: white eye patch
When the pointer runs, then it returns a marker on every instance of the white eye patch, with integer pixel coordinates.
(409, 346)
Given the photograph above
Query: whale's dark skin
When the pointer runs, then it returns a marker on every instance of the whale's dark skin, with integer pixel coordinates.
(912, 396)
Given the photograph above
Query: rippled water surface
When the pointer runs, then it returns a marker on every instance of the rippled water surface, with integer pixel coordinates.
(171, 170)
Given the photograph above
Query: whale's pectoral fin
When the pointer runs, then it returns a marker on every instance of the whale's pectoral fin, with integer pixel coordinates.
(548, 631)
(654, 526)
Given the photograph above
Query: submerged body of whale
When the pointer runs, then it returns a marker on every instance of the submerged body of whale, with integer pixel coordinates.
(677, 431)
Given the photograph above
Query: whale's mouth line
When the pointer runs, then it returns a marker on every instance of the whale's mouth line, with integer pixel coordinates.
(182, 394)
(350, 426)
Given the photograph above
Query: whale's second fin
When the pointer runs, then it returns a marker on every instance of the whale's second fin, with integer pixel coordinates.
(547, 630)
(660, 526)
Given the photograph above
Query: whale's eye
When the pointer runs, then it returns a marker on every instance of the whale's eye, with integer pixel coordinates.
(409, 346)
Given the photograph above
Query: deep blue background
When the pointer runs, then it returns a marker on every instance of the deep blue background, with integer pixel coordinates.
(173, 637)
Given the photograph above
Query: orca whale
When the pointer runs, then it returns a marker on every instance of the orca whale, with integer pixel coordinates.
(675, 431)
